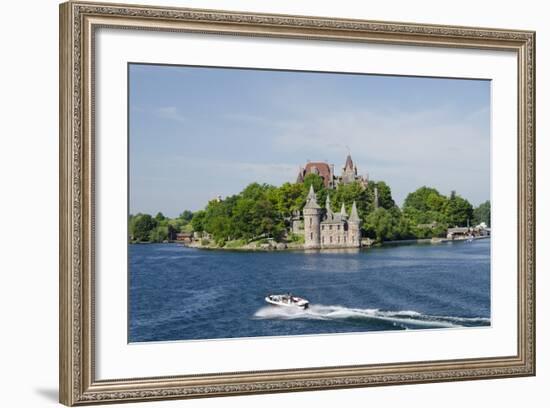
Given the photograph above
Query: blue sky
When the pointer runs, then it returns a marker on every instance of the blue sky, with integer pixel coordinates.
(199, 132)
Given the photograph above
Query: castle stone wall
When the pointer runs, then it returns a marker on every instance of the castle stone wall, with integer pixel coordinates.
(354, 234)
(325, 229)
(334, 235)
(312, 219)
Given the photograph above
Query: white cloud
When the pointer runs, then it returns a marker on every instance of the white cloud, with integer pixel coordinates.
(171, 113)
(188, 182)
(406, 149)
(260, 172)
(396, 140)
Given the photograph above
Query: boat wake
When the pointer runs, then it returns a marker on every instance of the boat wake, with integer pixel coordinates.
(405, 319)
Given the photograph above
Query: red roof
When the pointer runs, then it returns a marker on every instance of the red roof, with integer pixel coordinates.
(320, 168)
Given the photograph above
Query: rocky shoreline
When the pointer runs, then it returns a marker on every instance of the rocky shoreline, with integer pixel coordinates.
(265, 246)
(253, 246)
(293, 246)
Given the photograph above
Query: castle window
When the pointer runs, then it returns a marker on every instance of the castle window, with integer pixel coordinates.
(311, 236)
(338, 239)
(330, 227)
(323, 240)
(323, 227)
(338, 227)
(331, 239)
(310, 221)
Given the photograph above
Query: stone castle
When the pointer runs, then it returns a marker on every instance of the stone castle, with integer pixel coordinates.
(330, 179)
(324, 228)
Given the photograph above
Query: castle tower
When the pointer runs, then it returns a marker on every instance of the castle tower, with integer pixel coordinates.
(354, 230)
(329, 213)
(312, 220)
(343, 211)
(349, 171)
(300, 178)
(296, 222)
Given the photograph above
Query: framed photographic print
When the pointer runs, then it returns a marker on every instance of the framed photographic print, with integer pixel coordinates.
(256, 203)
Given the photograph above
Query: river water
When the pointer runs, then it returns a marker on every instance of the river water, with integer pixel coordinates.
(179, 293)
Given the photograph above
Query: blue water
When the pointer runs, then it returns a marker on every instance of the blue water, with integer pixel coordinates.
(178, 293)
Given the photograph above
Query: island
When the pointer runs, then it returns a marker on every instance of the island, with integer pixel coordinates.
(357, 212)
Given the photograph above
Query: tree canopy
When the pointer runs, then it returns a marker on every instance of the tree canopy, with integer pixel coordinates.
(459, 211)
(426, 206)
(482, 213)
(265, 211)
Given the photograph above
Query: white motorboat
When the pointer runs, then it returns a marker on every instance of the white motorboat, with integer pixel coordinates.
(287, 300)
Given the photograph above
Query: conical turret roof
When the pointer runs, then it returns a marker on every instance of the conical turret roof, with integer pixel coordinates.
(330, 214)
(311, 201)
(343, 211)
(354, 217)
(349, 163)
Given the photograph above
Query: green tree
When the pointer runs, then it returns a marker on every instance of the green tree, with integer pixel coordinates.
(261, 211)
(382, 225)
(159, 234)
(257, 218)
(218, 219)
(348, 193)
(172, 229)
(141, 227)
(425, 199)
(186, 216)
(255, 191)
(385, 199)
(314, 180)
(458, 210)
(290, 197)
(482, 213)
(198, 220)
(426, 205)
(405, 227)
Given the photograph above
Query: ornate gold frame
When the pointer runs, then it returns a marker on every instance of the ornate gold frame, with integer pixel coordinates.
(78, 21)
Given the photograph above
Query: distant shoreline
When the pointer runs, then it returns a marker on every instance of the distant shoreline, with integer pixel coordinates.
(431, 240)
(282, 247)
